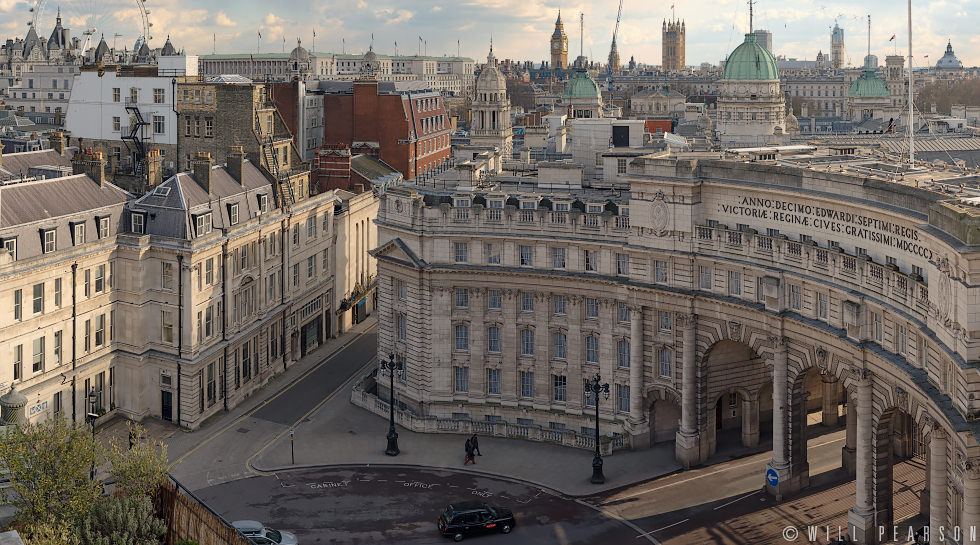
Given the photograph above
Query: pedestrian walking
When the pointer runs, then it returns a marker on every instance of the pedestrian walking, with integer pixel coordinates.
(469, 453)
(476, 445)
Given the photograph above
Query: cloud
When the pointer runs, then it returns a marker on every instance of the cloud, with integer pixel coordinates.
(272, 19)
(392, 16)
(436, 8)
(221, 19)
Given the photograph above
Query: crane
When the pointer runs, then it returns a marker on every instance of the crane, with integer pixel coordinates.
(613, 53)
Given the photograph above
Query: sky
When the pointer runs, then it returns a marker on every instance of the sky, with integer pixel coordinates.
(520, 29)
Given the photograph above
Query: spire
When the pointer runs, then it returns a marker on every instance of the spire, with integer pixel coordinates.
(558, 22)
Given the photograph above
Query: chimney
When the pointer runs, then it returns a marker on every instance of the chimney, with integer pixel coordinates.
(154, 168)
(201, 168)
(1, 154)
(57, 140)
(236, 163)
(332, 167)
(89, 162)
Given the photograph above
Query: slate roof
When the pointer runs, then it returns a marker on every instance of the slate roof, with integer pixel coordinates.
(14, 165)
(374, 170)
(28, 202)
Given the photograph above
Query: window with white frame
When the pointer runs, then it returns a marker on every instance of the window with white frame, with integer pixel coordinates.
(704, 276)
(592, 349)
(734, 283)
(233, 213)
(462, 382)
(560, 345)
(202, 224)
(559, 304)
(461, 252)
(493, 339)
(527, 256)
(166, 275)
(876, 326)
(167, 326)
(558, 258)
(527, 302)
(494, 299)
(10, 244)
(623, 353)
(527, 342)
(795, 297)
(462, 337)
(103, 228)
(462, 297)
(665, 356)
(50, 241)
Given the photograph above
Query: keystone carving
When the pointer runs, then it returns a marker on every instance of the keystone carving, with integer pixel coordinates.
(735, 331)
(822, 356)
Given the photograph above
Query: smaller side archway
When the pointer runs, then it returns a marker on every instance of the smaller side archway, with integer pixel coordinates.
(664, 415)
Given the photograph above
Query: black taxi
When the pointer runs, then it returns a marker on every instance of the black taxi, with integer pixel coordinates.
(470, 518)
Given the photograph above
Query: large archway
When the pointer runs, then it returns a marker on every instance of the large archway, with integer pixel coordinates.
(898, 481)
(817, 408)
(733, 377)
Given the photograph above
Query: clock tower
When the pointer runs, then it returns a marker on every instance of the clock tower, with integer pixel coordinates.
(559, 46)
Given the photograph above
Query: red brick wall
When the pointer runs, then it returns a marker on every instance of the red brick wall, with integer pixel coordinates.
(284, 97)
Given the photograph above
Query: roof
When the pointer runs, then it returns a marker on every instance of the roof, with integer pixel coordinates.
(374, 170)
(581, 86)
(37, 200)
(751, 61)
(868, 85)
(20, 164)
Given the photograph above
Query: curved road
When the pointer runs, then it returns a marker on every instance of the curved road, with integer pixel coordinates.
(384, 504)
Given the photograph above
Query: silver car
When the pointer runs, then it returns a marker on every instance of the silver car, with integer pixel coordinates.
(259, 534)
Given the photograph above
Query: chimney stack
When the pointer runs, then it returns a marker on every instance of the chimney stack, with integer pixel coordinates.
(57, 140)
(236, 163)
(1, 154)
(154, 168)
(201, 168)
(89, 162)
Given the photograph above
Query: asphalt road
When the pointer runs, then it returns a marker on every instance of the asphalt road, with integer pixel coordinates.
(400, 505)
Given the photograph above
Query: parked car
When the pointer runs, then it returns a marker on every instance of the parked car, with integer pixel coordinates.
(470, 518)
(259, 534)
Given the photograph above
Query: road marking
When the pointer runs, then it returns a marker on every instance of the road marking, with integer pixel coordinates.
(831, 442)
(355, 376)
(647, 534)
(288, 387)
(737, 499)
(689, 479)
(615, 516)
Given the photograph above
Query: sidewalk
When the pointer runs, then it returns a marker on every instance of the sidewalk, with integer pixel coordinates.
(340, 433)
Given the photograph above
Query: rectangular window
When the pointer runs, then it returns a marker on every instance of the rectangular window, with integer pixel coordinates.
(560, 387)
(623, 353)
(18, 304)
(527, 302)
(622, 398)
(624, 313)
(139, 222)
(115, 94)
(461, 252)
(37, 360)
(116, 124)
(704, 277)
(527, 384)
(103, 228)
(822, 306)
(166, 275)
(660, 271)
(901, 340)
(560, 346)
(208, 322)
(665, 321)
(795, 297)
(159, 124)
(527, 256)
(592, 349)
(665, 357)
(527, 342)
(591, 262)
(57, 347)
(212, 390)
(493, 381)
(462, 337)
(620, 166)
(158, 96)
(311, 266)
(208, 127)
(876, 327)
(310, 227)
(295, 234)
(402, 290)
(462, 379)
(591, 307)
(559, 302)
(88, 335)
(18, 362)
(202, 224)
(622, 264)
(734, 283)
(494, 299)
(233, 214)
(10, 244)
(295, 274)
(100, 279)
(462, 297)
(38, 298)
(558, 258)
(87, 290)
(493, 339)
(209, 271)
(50, 241)
(493, 254)
(402, 325)
(100, 330)
(263, 203)
(167, 326)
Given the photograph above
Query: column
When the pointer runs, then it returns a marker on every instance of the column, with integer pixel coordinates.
(636, 364)
(937, 479)
(687, 446)
(750, 422)
(780, 396)
(971, 502)
(510, 347)
(850, 437)
(860, 518)
(831, 416)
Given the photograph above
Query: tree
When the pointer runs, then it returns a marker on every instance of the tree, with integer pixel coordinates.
(122, 521)
(140, 470)
(49, 466)
(50, 533)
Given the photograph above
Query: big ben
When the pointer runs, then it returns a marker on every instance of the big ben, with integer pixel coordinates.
(559, 46)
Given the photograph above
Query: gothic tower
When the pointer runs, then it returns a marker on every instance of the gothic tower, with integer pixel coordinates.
(673, 45)
(837, 47)
(559, 46)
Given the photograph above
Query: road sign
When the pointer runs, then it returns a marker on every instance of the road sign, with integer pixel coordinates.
(771, 477)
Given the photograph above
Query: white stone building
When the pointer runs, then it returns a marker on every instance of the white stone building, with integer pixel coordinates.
(751, 108)
(490, 110)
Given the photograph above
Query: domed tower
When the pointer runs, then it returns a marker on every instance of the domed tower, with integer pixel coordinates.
(490, 109)
(582, 96)
(559, 46)
(868, 97)
(751, 109)
(949, 60)
(300, 65)
(370, 65)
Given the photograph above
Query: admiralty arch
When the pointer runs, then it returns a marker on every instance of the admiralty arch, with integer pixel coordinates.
(723, 297)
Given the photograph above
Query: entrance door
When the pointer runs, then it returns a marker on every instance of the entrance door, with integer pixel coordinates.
(167, 405)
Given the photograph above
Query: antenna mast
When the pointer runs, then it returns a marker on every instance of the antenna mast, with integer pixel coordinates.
(911, 104)
(750, 16)
(581, 34)
(869, 39)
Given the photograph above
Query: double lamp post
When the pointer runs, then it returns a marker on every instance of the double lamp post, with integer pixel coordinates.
(391, 366)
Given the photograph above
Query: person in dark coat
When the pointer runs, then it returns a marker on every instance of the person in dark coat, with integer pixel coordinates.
(469, 453)
(476, 445)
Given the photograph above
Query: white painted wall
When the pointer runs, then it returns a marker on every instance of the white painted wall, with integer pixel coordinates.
(91, 108)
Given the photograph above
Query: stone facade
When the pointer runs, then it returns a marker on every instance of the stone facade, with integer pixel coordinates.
(753, 293)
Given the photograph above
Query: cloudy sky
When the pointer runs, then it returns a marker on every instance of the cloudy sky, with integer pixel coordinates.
(520, 28)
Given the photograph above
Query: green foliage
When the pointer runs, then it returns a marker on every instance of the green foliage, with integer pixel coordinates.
(141, 470)
(944, 94)
(122, 521)
(187, 542)
(49, 465)
(50, 533)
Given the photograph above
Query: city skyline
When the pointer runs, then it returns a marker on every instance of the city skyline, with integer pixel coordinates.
(520, 30)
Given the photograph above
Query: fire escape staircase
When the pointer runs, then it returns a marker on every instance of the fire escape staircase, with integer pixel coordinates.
(134, 140)
(284, 190)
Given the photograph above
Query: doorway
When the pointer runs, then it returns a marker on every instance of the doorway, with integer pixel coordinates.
(167, 405)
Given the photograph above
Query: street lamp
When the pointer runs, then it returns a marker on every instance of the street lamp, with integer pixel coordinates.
(92, 415)
(594, 388)
(391, 366)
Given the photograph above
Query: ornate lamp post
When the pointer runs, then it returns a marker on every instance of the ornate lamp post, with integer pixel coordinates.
(391, 366)
(595, 388)
(92, 416)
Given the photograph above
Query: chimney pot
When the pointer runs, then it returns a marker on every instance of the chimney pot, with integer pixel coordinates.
(201, 167)
(236, 163)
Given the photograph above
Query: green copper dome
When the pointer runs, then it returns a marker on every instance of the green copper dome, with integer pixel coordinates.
(751, 60)
(868, 86)
(581, 85)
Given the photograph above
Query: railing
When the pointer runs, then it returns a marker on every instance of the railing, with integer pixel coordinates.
(822, 257)
(763, 244)
(527, 216)
(705, 233)
(590, 220)
(876, 273)
(432, 424)
(494, 214)
(794, 249)
(559, 218)
(461, 214)
(622, 222)
(849, 264)
(735, 238)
